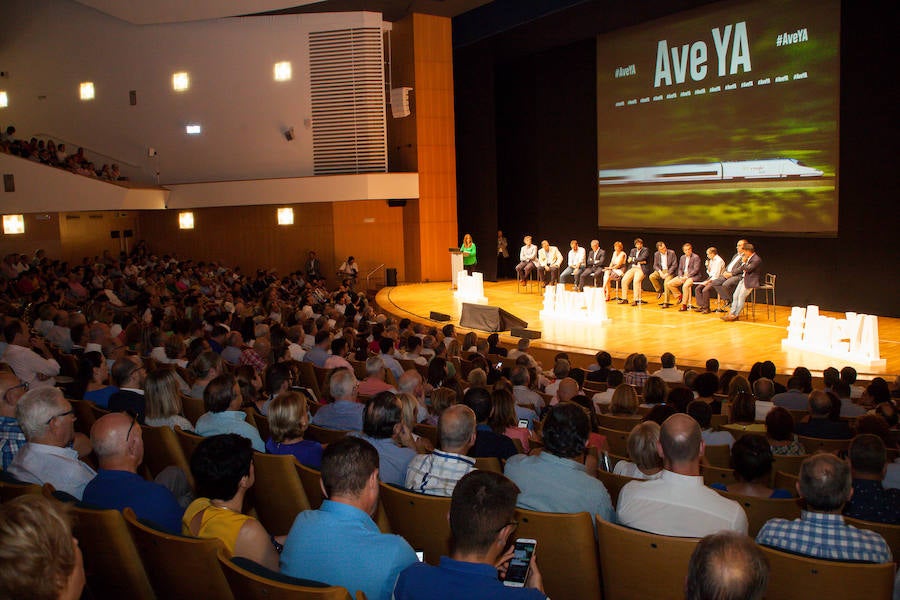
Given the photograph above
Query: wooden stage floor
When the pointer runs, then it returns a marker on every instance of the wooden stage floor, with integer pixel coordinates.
(647, 328)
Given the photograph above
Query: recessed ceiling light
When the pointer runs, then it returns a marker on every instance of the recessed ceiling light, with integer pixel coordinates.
(4, 99)
(193, 129)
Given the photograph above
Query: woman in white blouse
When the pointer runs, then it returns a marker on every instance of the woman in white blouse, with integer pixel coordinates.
(616, 267)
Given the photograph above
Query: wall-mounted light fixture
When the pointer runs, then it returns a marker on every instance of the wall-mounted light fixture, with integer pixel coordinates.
(13, 224)
(286, 216)
(186, 220)
(86, 90)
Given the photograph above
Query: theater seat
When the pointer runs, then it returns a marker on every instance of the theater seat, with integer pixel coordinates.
(419, 518)
(161, 450)
(566, 552)
(311, 480)
(613, 483)
(760, 510)
(253, 582)
(638, 565)
(278, 494)
(793, 577)
(179, 566)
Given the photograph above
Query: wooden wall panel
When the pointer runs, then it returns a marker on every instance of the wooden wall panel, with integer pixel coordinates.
(371, 231)
(435, 140)
(88, 233)
(248, 236)
(38, 234)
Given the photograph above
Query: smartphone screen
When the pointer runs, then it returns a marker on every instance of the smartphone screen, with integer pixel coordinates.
(420, 554)
(517, 572)
(523, 423)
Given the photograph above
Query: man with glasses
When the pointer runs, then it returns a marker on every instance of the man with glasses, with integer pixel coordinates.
(128, 374)
(482, 523)
(28, 356)
(11, 436)
(119, 444)
(48, 421)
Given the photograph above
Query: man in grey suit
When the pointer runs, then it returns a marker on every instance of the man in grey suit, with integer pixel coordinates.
(751, 265)
(687, 273)
(665, 264)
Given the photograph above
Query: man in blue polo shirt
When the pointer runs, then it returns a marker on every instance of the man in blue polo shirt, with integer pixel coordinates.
(119, 444)
(481, 519)
(339, 544)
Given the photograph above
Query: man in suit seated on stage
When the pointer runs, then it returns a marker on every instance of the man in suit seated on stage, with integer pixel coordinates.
(728, 281)
(549, 261)
(527, 260)
(593, 266)
(638, 267)
(751, 265)
(687, 272)
(665, 265)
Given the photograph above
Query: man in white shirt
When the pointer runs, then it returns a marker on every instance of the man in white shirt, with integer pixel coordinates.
(669, 373)
(527, 260)
(575, 264)
(28, 356)
(678, 503)
(763, 391)
(549, 260)
(525, 397)
(715, 267)
(48, 421)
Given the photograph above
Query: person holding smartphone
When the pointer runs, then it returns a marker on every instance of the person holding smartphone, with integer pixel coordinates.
(484, 564)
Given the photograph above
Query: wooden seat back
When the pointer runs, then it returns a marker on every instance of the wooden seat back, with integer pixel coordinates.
(112, 565)
(247, 585)
(419, 518)
(717, 456)
(188, 442)
(793, 577)
(161, 450)
(787, 464)
(814, 445)
(614, 483)
(713, 475)
(625, 554)
(617, 440)
(179, 566)
(311, 480)
(618, 423)
(323, 435)
(193, 408)
(278, 494)
(760, 510)
(566, 553)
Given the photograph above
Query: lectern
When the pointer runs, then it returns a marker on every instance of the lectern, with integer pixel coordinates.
(456, 265)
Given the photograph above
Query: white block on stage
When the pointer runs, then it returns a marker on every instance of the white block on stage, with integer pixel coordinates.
(470, 288)
(852, 339)
(588, 306)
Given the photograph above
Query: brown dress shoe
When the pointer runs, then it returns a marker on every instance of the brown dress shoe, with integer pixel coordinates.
(683, 308)
(730, 317)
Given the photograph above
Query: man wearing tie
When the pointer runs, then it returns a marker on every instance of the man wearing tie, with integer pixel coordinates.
(576, 264)
(729, 280)
(527, 260)
(549, 260)
(751, 266)
(639, 267)
(593, 267)
(688, 271)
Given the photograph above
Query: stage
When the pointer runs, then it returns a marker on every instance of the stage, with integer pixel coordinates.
(691, 336)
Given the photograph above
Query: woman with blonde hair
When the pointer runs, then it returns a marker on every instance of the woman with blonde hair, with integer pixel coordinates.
(624, 401)
(645, 462)
(469, 252)
(409, 411)
(163, 401)
(288, 420)
(441, 399)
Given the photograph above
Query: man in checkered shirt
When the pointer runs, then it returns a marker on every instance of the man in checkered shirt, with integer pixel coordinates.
(438, 472)
(820, 532)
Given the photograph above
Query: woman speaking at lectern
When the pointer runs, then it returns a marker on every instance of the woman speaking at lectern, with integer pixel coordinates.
(468, 250)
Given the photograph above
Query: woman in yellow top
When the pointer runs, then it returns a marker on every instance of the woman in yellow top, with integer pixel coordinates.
(223, 470)
(469, 257)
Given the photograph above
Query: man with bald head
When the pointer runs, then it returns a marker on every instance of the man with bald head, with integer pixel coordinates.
(568, 389)
(119, 444)
(678, 503)
(727, 566)
(437, 473)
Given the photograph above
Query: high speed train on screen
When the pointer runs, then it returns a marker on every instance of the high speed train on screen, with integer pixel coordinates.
(773, 168)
